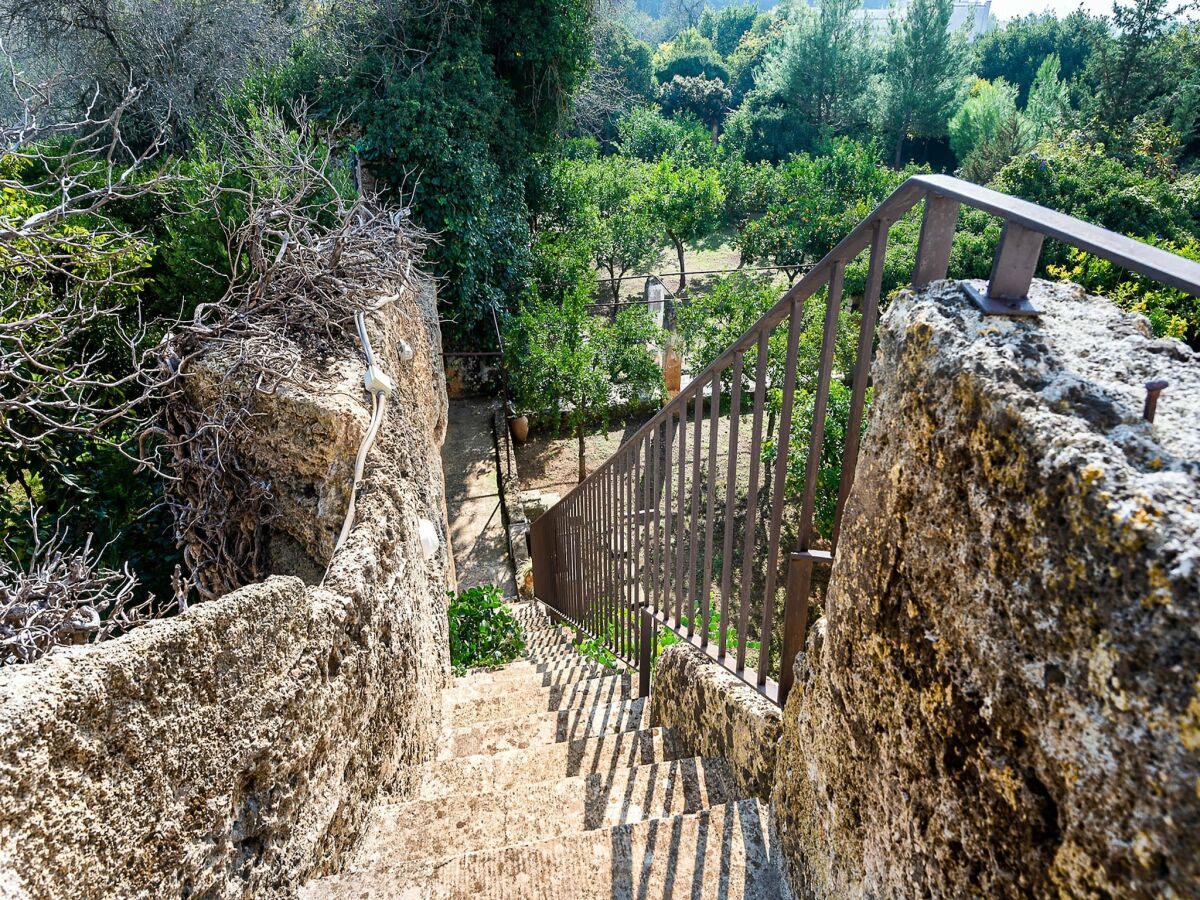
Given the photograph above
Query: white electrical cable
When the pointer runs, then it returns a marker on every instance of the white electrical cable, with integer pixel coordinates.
(380, 388)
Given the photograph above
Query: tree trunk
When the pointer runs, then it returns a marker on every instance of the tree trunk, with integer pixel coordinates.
(582, 453)
(679, 252)
(615, 280)
(899, 152)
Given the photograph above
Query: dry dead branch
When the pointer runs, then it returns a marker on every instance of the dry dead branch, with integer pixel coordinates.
(57, 279)
(309, 253)
(62, 596)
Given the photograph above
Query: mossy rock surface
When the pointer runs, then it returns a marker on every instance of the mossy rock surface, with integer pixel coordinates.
(1002, 697)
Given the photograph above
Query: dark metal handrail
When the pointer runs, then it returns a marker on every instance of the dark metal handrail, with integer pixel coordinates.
(632, 546)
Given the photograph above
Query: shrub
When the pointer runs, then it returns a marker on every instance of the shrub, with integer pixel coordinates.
(482, 632)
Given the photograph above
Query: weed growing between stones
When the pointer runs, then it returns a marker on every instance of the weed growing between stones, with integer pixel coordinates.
(483, 632)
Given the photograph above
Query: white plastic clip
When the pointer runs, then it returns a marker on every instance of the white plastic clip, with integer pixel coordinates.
(378, 382)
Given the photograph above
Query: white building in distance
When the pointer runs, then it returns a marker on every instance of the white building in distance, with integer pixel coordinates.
(975, 17)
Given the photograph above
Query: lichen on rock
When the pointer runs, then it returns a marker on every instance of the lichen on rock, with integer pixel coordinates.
(237, 749)
(1001, 699)
(714, 713)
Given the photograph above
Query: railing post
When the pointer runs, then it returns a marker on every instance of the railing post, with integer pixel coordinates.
(795, 613)
(542, 538)
(645, 652)
(1012, 272)
(937, 238)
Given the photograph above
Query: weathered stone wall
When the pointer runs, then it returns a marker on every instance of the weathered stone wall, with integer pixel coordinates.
(236, 749)
(716, 714)
(1002, 699)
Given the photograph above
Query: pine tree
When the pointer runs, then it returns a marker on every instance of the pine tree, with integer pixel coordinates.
(1049, 98)
(822, 65)
(923, 77)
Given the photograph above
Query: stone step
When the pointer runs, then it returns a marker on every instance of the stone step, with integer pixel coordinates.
(411, 835)
(485, 703)
(542, 728)
(585, 756)
(525, 671)
(722, 853)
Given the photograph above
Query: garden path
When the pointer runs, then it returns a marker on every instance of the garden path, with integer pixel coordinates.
(477, 532)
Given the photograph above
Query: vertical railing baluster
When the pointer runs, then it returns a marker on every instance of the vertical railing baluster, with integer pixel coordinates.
(812, 468)
(647, 580)
(731, 479)
(655, 507)
(604, 529)
(611, 543)
(649, 539)
(862, 368)
(714, 416)
(627, 495)
(637, 562)
(693, 524)
(576, 555)
(795, 320)
(594, 556)
(669, 430)
(760, 387)
(681, 501)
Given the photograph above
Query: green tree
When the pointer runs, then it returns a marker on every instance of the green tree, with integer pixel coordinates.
(747, 58)
(646, 134)
(763, 130)
(569, 367)
(686, 200)
(707, 99)
(449, 116)
(1015, 50)
(821, 66)
(627, 58)
(1049, 98)
(989, 106)
(811, 202)
(690, 55)
(923, 75)
(1133, 70)
(624, 234)
(726, 27)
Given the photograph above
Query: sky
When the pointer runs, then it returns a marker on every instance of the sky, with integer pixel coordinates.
(1004, 10)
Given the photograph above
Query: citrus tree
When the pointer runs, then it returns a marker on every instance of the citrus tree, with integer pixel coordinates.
(687, 200)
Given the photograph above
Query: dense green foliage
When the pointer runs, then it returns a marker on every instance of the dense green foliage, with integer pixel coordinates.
(550, 155)
(483, 633)
(452, 107)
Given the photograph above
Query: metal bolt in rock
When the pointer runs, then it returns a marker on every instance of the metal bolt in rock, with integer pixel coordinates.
(1153, 389)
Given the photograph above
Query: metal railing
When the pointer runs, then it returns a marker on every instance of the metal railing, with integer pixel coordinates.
(679, 532)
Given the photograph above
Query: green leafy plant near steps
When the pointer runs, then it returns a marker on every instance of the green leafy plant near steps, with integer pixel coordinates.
(482, 632)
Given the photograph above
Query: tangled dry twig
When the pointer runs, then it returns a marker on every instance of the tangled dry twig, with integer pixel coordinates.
(308, 254)
(62, 596)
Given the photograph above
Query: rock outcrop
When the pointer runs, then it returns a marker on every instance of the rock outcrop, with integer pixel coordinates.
(1003, 698)
(238, 748)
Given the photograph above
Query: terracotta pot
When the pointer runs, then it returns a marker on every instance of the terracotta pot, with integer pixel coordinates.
(519, 426)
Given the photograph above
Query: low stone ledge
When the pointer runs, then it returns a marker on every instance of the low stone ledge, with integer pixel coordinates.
(716, 714)
(237, 749)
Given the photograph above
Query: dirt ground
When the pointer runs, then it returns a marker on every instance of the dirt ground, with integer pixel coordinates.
(713, 254)
(549, 462)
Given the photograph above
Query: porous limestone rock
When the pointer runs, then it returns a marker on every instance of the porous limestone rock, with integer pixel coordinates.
(235, 750)
(714, 713)
(1003, 698)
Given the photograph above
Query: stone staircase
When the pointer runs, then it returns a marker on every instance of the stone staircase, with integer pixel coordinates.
(550, 785)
